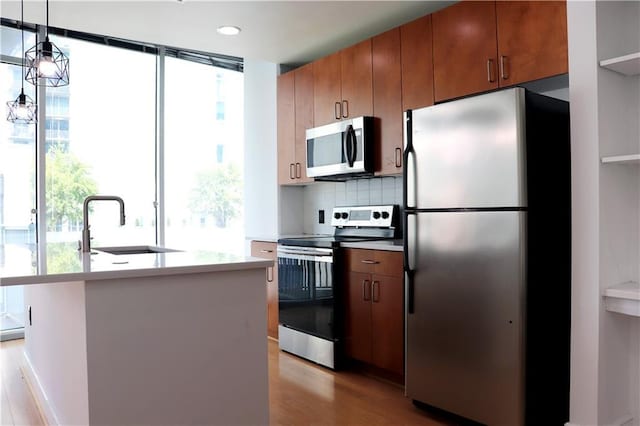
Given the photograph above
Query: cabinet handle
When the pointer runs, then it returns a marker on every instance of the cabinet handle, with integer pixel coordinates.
(365, 284)
(270, 280)
(490, 76)
(398, 157)
(266, 251)
(337, 109)
(292, 171)
(370, 262)
(376, 291)
(298, 171)
(345, 107)
(503, 67)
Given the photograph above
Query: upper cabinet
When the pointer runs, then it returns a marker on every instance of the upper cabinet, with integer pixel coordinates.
(464, 49)
(532, 40)
(343, 84)
(417, 63)
(387, 102)
(480, 46)
(295, 115)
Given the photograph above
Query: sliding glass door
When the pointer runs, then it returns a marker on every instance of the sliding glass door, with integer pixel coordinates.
(17, 188)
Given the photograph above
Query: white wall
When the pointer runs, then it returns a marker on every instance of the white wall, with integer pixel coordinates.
(605, 107)
(260, 152)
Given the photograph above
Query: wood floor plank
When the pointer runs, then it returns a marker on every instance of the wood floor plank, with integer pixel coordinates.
(15, 389)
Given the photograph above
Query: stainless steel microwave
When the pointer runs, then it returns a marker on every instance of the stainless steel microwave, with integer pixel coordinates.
(340, 150)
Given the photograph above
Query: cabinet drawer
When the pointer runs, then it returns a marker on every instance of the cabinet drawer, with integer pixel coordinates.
(263, 249)
(374, 261)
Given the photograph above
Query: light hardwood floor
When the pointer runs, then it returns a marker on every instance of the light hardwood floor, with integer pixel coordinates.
(300, 393)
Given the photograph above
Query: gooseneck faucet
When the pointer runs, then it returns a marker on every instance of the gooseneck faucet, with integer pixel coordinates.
(86, 235)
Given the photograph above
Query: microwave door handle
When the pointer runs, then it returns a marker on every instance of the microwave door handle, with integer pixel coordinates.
(346, 147)
(354, 144)
(348, 143)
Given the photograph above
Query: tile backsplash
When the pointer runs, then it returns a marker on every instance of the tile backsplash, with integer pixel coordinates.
(360, 192)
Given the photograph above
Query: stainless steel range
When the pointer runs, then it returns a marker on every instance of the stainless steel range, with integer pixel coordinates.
(310, 281)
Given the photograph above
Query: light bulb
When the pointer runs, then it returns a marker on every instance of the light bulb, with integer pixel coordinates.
(22, 112)
(46, 67)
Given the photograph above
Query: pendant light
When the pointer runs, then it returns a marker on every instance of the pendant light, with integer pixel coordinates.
(23, 109)
(48, 66)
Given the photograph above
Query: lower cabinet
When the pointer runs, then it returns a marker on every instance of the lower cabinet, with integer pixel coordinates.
(374, 331)
(267, 250)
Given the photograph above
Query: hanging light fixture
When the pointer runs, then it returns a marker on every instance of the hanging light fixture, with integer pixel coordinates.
(48, 66)
(23, 109)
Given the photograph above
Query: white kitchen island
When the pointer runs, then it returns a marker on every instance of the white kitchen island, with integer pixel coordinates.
(146, 339)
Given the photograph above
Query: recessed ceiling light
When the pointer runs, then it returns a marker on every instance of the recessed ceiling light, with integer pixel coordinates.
(228, 30)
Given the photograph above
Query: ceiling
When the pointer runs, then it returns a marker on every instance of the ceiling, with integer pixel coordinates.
(285, 32)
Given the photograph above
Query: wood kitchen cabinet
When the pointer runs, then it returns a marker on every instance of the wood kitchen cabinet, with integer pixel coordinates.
(417, 63)
(387, 101)
(374, 331)
(267, 250)
(295, 115)
(480, 46)
(343, 84)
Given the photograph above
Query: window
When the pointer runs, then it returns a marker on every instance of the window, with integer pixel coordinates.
(100, 139)
(203, 176)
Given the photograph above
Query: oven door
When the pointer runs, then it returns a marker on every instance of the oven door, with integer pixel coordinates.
(306, 290)
(339, 148)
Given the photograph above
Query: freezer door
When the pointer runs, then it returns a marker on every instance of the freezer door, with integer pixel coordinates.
(467, 153)
(466, 318)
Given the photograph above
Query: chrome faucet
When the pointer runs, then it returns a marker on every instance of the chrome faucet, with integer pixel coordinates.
(86, 235)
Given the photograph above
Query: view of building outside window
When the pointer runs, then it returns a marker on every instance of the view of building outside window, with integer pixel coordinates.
(100, 139)
(203, 157)
(17, 183)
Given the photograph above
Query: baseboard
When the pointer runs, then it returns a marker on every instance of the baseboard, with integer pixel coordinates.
(622, 421)
(42, 402)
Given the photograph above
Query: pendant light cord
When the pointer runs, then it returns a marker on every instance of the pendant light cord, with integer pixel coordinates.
(47, 27)
(22, 35)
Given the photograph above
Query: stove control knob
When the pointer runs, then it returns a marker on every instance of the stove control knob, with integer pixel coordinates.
(345, 215)
(336, 215)
(385, 215)
(376, 215)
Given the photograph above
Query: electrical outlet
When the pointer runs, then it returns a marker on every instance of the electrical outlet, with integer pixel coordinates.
(320, 216)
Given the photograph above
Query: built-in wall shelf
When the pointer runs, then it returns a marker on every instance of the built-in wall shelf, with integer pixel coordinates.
(622, 159)
(627, 64)
(623, 298)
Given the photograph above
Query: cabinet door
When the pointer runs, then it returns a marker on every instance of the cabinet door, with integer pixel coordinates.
(464, 49)
(358, 317)
(387, 101)
(304, 118)
(532, 40)
(387, 323)
(357, 80)
(286, 128)
(327, 93)
(267, 250)
(417, 63)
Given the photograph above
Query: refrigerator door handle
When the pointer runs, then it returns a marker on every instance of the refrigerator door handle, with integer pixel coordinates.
(408, 151)
(409, 272)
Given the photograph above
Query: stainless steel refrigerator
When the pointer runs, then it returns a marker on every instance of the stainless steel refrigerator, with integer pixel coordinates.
(487, 258)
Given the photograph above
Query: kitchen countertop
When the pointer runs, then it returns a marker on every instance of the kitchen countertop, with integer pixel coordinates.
(388, 245)
(65, 263)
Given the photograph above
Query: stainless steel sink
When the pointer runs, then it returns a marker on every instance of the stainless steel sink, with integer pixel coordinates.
(134, 250)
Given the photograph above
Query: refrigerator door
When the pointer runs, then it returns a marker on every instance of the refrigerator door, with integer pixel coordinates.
(468, 153)
(465, 321)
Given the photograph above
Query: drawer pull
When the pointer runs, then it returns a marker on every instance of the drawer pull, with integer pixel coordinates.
(266, 251)
(398, 157)
(270, 268)
(369, 262)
